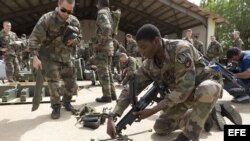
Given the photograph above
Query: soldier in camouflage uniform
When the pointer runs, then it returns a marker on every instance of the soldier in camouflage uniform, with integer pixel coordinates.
(83, 52)
(214, 50)
(57, 53)
(128, 65)
(199, 45)
(91, 65)
(25, 53)
(237, 42)
(188, 36)
(177, 65)
(91, 46)
(80, 52)
(118, 49)
(7, 39)
(131, 47)
(104, 51)
(115, 58)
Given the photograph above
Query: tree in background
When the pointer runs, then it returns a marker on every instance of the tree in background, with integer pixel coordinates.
(237, 14)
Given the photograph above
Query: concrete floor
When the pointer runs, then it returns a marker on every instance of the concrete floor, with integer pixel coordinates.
(18, 123)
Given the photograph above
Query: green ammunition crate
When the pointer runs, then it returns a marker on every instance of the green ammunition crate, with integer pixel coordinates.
(9, 95)
(25, 93)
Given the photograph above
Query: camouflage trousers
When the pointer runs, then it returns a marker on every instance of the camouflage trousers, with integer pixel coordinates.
(123, 101)
(12, 67)
(189, 115)
(115, 64)
(93, 77)
(103, 63)
(55, 72)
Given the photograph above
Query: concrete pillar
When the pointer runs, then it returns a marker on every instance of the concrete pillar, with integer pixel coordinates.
(210, 29)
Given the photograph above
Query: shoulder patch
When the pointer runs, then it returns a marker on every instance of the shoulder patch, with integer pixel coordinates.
(181, 57)
(184, 59)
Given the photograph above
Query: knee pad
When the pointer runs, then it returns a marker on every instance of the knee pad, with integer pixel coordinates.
(163, 126)
(208, 91)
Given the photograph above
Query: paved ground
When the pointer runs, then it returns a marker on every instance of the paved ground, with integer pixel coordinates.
(18, 123)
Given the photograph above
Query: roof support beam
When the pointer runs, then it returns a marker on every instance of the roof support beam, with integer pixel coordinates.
(18, 4)
(41, 2)
(146, 16)
(139, 3)
(128, 5)
(5, 5)
(145, 8)
(29, 3)
(156, 10)
(28, 11)
(184, 10)
(191, 26)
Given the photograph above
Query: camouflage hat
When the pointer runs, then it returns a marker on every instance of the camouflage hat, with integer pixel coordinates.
(86, 110)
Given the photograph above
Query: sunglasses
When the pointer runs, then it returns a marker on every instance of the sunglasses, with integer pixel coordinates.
(64, 10)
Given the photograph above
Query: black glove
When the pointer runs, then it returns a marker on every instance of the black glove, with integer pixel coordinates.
(71, 32)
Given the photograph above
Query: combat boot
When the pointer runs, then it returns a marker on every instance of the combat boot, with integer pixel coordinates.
(113, 96)
(232, 114)
(113, 93)
(104, 99)
(181, 137)
(93, 83)
(68, 106)
(218, 118)
(56, 111)
(209, 123)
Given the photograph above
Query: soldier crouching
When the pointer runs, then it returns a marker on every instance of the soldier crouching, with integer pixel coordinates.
(176, 65)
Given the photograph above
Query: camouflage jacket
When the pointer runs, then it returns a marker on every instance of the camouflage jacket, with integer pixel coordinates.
(214, 50)
(6, 39)
(128, 69)
(84, 52)
(48, 34)
(238, 43)
(199, 46)
(104, 31)
(118, 48)
(91, 61)
(189, 40)
(132, 48)
(182, 70)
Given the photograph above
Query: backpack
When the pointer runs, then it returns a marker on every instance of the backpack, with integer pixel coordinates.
(115, 15)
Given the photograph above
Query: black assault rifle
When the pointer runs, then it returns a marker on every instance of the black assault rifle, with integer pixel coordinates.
(228, 75)
(150, 96)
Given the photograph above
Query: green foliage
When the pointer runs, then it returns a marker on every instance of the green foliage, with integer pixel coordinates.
(237, 14)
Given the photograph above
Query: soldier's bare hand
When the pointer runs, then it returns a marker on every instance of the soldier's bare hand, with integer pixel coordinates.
(111, 128)
(144, 113)
(37, 64)
(4, 49)
(71, 42)
(93, 67)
